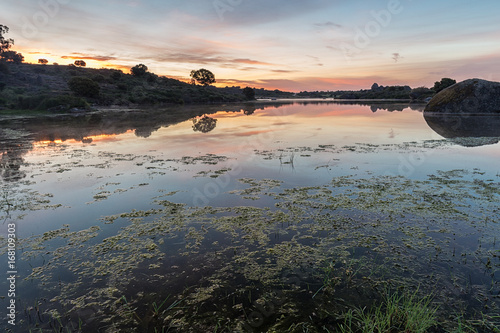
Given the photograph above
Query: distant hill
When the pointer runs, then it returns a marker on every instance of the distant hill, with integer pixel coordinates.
(375, 93)
(59, 88)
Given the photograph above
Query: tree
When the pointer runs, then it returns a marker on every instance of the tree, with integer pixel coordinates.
(443, 84)
(43, 61)
(80, 63)
(139, 70)
(12, 56)
(83, 86)
(203, 76)
(5, 44)
(249, 93)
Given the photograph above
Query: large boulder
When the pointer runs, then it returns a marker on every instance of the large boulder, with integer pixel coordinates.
(469, 96)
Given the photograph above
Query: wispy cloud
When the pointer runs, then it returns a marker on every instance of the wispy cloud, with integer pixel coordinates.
(285, 44)
(252, 62)
(328, 24)
(89, 57)
(283, 71)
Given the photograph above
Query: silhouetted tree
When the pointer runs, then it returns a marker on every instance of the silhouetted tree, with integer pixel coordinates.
(13, 56)
(80, 63)
(83, 86)
(5, 44)
(43, 61)
(139, 70)
(249, 93)
(443, 84)
(202, 76)
(204, 124)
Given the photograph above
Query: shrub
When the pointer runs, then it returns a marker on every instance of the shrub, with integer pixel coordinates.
(122, 86)
(19, 90)
(116, 75)
(29, 102)
(151, 78)
(40, 70)
(83, 86)
(99, 78)
(62, 103)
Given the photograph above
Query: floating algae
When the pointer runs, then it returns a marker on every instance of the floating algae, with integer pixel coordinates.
(322, 249)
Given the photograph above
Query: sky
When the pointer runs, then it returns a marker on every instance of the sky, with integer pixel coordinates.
(292, 45)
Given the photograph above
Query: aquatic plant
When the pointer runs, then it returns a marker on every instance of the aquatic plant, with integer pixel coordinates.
(398, 313)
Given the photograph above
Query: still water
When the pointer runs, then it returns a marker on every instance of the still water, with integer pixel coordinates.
(259, 217)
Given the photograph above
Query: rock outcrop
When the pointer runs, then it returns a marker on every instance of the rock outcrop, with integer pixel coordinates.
(473, 96)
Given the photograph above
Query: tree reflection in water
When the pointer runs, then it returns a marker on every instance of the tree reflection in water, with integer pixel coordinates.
(204, 124)
(11, 161)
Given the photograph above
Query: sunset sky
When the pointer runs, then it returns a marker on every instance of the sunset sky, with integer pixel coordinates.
(290, 45)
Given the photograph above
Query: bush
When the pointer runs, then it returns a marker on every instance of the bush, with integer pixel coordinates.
(99, 78)
(63, 103)
(29, 102)
(122, 86)
(83, 86)
(151, 78)
(116, 75)
(19, 90)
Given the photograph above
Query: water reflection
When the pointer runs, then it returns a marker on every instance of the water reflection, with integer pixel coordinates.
(466, 129)
(11, 160)
(18, 136)
(204, 124)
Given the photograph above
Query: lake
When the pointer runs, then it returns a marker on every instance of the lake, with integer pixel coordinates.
(279, 216)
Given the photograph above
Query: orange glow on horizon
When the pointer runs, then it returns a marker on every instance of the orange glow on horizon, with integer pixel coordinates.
(351, 81)
(87, 139)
